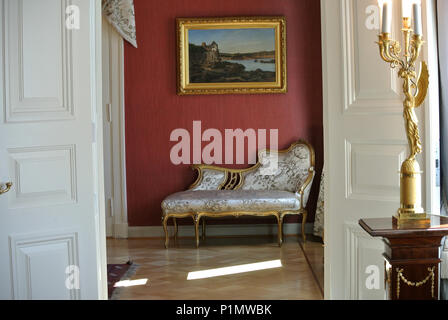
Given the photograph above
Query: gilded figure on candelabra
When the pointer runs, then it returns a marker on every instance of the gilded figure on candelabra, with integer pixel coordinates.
(415, 90)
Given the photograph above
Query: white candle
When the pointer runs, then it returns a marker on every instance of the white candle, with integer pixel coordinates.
(417, 19)
(387, 18)
(406, 8)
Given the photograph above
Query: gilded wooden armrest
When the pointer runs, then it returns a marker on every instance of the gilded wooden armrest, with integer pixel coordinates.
(304, 189)
(306, 186)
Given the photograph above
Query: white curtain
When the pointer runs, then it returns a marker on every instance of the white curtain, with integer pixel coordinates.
(121, 15)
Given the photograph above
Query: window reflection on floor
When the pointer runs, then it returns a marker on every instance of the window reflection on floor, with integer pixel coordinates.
(131, 283)
(234, 269)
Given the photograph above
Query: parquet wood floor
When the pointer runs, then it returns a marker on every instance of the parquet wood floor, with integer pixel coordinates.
(299, 277)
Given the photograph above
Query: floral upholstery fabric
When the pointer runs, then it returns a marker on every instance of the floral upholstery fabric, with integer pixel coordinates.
(211, 180)
(289, 174)
(121, 15)
(318, 229)
(230, 201)
(273, 186)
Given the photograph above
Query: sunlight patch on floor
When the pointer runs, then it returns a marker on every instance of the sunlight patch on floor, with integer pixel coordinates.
(234, 269)
(131, 283)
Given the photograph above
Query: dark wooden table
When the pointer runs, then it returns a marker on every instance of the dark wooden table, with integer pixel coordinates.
(411, 255)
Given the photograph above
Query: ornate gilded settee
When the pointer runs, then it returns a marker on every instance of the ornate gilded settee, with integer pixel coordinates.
(277, 185)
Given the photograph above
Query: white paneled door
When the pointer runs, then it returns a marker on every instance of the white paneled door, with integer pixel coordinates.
(365, 142)
(51, 224)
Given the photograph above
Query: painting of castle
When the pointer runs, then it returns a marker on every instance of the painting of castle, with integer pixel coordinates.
(232, 55)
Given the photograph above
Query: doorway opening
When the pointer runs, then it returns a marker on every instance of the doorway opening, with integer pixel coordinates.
(144, 269)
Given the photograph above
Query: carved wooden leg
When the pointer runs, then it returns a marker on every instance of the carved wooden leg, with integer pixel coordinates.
(280, 229)
(165, 228)
(196, 219)
(203, 228)
(304, 215)
(175, 228)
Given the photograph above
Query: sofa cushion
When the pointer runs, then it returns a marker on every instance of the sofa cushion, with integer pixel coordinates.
(280, 170)
(230, 200)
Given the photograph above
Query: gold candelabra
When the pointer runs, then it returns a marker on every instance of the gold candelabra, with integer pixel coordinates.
(415, 90)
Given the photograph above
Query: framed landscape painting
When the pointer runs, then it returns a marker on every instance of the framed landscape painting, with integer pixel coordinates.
(231, 55)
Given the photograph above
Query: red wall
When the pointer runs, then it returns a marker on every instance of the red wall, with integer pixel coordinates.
(153, 109)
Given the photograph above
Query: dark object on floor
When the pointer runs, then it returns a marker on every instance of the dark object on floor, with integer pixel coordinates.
(114, 274)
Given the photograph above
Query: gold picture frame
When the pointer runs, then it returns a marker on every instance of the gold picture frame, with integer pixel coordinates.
(213, 72)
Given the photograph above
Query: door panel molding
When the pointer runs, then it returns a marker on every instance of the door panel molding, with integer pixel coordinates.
(361, 251)
(32, 276)
(43, 176)
(37, 87)
(359, 75)
(373, 167)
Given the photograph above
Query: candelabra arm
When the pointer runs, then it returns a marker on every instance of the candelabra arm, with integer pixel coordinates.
(389, 50)
(415, 48)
